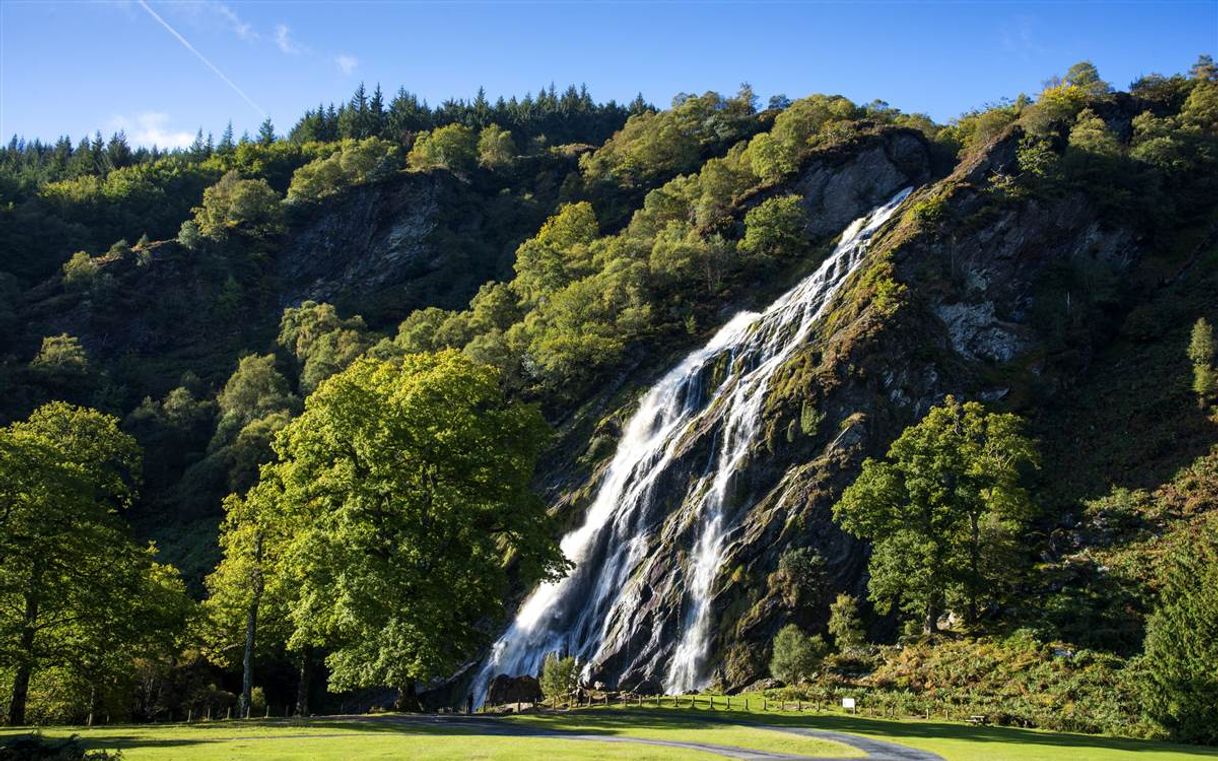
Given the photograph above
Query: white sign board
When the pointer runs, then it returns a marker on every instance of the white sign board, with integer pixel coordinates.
(847, 702)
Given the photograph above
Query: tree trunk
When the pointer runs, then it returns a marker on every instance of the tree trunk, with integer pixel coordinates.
(975, 570)
(408, 699)
(930, 625)
(302, 686)
(25, 666)
(251, 629)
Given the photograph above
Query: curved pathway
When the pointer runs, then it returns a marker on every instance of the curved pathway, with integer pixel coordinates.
(875, 750)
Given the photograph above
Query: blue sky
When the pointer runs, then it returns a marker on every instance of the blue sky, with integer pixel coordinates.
(75, 67)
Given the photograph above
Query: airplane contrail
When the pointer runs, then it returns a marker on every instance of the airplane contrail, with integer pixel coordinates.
(201, 57)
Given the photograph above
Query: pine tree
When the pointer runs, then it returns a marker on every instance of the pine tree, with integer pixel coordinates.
(1201, 352)
(226, 141)
(845, 624)
(266, 132)
(1181, 649)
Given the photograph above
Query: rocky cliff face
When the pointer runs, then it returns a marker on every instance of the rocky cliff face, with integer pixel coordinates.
(644, 628)
(380, 250)
(967, 291)
(418, 240)
(960, 296)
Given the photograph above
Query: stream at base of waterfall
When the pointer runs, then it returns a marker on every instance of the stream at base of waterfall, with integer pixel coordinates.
(720, 389)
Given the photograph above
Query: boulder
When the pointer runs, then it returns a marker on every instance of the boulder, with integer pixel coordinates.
(513, 689)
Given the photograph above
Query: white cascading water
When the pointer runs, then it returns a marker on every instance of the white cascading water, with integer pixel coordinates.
(572, 616)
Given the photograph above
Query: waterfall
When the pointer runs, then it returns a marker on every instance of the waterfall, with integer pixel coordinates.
(613, 548)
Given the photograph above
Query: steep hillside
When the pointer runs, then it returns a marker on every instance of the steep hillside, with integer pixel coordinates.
(722, 312)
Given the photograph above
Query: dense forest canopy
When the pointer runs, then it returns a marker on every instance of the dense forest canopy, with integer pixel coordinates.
(333, 369)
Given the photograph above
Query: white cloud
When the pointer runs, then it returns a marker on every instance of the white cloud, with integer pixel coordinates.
(346, 63)
(152, 128)
(210, 12)
(239, 27)
(283, 38)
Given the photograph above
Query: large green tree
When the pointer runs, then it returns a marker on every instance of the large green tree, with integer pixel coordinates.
(410, 478)
(1182, 638)
(247, 596)
(75, 591)
(942, 511)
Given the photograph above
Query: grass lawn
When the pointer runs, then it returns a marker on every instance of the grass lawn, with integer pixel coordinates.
(323, 740)
(954, 741)
(680, 726)
(390, 738)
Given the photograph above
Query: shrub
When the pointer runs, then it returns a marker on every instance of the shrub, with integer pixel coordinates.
(559, 678)
(796, 655)
(80, 272)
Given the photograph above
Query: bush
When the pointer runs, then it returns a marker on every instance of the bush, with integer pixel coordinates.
(80, 272)
(35, 747)
(796, 655)
(775, 227)
(559, 678)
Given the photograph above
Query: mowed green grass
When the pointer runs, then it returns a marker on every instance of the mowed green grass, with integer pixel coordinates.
(385, 738)
(336, 740)
(683, 726)
(954, 741)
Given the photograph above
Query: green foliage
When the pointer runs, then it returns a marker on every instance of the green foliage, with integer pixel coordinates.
(321, 341)
(1038, 161)
(254, 390)
(944, 511)
(354, 163)
(846, 625)
(977, 129)
(35, 747)
(654, 145)
(1086, 77)
(1182, 638)
(409, 480)
(61, 358)
(1015, 681)
(234, 205)
(189, 235)
(80, 272)
(801, 577)
(559, 678)
(810, 419)
(775, 227)
(1091, 134)
(680, 255)
(496, 149)
(75, 592)
(248, 595)
(1201, 354)
(1056, 107)
(797, 130)
(796, 655)
(558, 254)
(453, 147)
